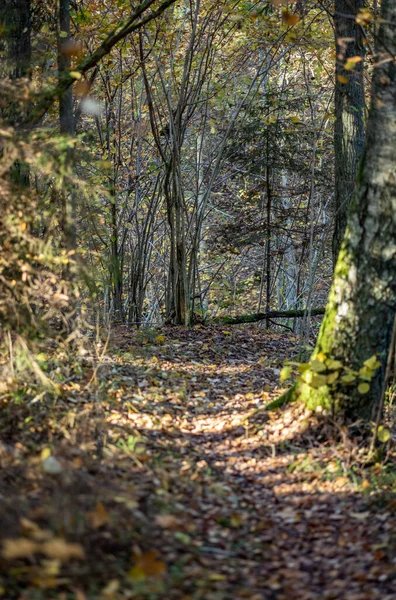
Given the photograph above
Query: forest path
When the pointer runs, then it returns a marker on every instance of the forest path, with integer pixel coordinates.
(174, 486)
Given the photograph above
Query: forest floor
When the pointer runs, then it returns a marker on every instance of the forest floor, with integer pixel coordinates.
(151, 474)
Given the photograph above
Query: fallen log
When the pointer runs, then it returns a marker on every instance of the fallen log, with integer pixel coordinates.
(272, 314)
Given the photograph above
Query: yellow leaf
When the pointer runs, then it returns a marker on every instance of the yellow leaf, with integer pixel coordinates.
(75, 74)
(45, 453)
(160, 339)
(227, 333)
(342, 79)
(62, 550)
(19, 548)
(352, 62)
(341, 481)
(383, 434)
(364, 17)
(217, 577)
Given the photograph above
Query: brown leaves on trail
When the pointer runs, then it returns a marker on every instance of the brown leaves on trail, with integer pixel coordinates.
(147, 565)
(176, 483)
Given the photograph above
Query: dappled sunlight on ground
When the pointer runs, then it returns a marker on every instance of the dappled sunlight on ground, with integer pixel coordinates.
(173, 482)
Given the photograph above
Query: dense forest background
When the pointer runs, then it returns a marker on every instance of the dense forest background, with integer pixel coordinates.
(187, 187)
(199, 180)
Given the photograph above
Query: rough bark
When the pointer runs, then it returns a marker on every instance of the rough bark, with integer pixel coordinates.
(349, 107)
(362, 304)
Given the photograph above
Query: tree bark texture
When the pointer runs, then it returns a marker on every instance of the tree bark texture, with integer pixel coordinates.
(360, 312)
(349, 107)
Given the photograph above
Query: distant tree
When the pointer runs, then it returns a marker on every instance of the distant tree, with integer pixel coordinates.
(66, 118)
(361, 309)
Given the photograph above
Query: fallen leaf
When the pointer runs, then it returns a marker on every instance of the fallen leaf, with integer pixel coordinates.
(99, 516)
(62, 550)
(19, 548)
(167, 521)
(147, 565)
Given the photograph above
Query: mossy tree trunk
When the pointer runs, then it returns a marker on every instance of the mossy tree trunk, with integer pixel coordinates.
(349, 106)
(360, 312)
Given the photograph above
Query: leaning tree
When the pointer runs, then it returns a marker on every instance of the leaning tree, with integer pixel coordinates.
(347, 368)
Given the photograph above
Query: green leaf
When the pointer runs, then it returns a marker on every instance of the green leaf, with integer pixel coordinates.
(318, 380)
(365, 373)
(285, 373)
(363, 388)
(349, 378)
(372, 363)
(332, 377)
(317, 366)
(333, 365)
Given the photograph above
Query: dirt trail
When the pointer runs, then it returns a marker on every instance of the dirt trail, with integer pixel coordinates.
(174, 486)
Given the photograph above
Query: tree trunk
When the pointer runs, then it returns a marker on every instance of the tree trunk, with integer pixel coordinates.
(272, 314)
(349, 106)
(178, 309)
(362, 304)
(66, 120)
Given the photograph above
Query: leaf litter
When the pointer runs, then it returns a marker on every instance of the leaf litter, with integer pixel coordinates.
(157, 473)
